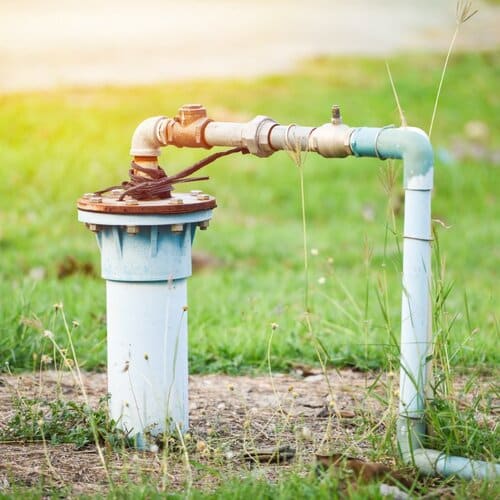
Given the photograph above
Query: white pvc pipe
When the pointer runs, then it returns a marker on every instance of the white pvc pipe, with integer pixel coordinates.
(415, 316)
(147, 355)
(413, 147)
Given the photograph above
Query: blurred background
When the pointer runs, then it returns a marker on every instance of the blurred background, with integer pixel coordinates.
(76, 77)
(60, 42)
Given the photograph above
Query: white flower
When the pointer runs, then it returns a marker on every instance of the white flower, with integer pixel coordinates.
(48, 334)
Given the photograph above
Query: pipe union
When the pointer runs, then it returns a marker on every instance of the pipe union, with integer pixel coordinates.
(255, 136)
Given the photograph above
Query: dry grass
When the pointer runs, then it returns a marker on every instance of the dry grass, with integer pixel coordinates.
(230, 416)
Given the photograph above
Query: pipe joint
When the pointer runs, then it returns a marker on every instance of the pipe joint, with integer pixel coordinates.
(331, 140)
(407, 143)
(256, 136)
(187, 129)
(148, 137)
(418, 157)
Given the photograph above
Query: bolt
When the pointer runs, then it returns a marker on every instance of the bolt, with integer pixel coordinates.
(195, 192)
(177, 228)
(93, 227)
(133, 230)
(175, 201)
(95, 199)
(116, 193)
(202, 196)
(203, 225)
(336, 117)
(131, 201)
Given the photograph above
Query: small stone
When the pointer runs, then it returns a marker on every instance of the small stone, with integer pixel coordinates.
(201, 446)
(306, 434)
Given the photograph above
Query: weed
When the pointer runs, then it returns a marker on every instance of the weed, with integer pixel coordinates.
(59, 421)
(463, 13)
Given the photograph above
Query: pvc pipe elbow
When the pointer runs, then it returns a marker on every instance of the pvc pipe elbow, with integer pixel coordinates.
(408, 143)
(417, 154)
(149, 136)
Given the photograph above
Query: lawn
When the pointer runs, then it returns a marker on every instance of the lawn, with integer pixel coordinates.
(59, 144)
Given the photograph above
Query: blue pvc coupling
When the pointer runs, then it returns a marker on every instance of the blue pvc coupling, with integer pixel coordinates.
(364, 142)
(145, 247)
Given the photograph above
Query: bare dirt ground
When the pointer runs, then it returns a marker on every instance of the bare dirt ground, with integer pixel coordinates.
(230, 417)
(69, 42)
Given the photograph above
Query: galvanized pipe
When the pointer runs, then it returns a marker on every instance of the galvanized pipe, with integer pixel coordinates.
(224, 133)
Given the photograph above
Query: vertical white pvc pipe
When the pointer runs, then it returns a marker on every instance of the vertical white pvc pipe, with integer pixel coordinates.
(147, 355)
(415, 317)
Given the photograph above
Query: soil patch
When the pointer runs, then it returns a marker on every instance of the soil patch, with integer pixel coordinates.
(231, 418)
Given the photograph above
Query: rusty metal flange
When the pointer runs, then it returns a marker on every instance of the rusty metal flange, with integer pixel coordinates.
(179, 203)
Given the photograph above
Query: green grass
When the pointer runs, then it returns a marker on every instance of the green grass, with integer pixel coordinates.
(59, 421)
(59, 144)
(254, 485)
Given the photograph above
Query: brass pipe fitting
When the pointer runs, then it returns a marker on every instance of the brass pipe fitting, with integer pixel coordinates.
(187, 128)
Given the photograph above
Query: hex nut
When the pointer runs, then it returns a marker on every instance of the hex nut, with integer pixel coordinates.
(177, 228)
(203, 225)
(203, 196)
(196, 192)
(133, 230)
(131, 201)
(95, 228)
(175, 201)
(116, 193)
(95, 199)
